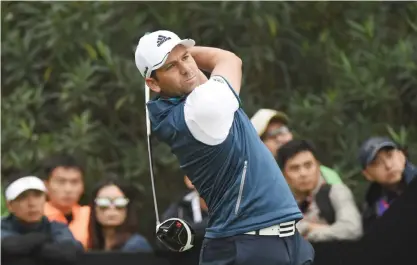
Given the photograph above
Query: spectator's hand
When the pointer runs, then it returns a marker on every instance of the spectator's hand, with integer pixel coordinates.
(314, 226)
(302, 227)
(23, 244)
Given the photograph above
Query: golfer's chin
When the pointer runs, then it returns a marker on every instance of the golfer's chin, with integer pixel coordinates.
(190, 84)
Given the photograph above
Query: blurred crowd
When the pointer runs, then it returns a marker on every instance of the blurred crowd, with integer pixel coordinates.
(46, 222)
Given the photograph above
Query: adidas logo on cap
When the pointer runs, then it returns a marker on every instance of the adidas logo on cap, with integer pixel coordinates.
(161, 40)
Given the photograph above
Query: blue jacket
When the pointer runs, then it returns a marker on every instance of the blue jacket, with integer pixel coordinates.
(45, 241)
(136, 243)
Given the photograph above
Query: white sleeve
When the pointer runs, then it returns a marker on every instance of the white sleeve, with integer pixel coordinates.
(210, 109)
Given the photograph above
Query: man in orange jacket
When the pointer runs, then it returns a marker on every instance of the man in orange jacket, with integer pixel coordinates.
(64, 181)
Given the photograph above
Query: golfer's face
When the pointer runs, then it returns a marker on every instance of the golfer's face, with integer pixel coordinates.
(179, 75)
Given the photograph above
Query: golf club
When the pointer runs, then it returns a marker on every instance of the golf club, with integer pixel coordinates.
(148, 133)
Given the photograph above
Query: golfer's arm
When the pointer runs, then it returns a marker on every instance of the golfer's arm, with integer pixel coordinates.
(219, 62)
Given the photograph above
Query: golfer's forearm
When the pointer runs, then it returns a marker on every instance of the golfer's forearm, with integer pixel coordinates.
(220, 62)
(207, 57)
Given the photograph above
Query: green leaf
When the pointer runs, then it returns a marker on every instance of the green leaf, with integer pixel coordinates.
(47, 74)
(369, 26)
(91, 51)
(346, 64)
(356, 26)
(272, 24)
(120, 102)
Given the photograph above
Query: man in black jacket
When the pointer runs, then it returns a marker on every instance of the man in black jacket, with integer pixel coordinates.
(192, 209)
(26, 233)
(389, 171)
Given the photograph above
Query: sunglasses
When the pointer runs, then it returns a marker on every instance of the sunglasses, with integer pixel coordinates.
(280, 130)
(104, 203)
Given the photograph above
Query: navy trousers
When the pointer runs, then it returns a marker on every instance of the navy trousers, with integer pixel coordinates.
(257, 250)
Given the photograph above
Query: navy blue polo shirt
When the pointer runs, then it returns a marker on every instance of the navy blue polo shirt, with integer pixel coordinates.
(238, 178)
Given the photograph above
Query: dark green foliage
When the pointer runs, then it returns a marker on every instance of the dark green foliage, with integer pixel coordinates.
(342, 71)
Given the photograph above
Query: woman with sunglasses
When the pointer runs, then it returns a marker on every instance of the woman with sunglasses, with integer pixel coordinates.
(113, 219)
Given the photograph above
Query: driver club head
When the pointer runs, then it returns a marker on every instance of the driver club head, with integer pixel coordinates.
(176, 234)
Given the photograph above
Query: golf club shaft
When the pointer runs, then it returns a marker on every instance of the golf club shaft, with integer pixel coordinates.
(148, 132)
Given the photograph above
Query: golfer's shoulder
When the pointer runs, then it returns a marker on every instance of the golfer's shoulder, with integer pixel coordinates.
(214, 95)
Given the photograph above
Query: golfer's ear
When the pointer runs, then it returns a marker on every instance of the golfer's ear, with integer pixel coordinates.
(153, 85)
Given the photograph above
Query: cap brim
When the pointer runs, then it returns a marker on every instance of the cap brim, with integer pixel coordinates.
(372, 156)
(187, 43)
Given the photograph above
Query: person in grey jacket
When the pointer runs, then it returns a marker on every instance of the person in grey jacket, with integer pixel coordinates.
(330, 212)
(27, 233)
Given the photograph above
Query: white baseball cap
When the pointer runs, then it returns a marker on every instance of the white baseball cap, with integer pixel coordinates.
(153, 50)
(263, 117)
(23, 184)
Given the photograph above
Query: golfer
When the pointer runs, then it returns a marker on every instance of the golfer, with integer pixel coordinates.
(252, 212)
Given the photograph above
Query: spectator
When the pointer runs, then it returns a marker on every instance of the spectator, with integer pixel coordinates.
(389, 172)
(272, 127)
(113, 219)
(64, 181)
(193, 210)
(27, 233)
(190, 208)
(330, 212)
(3, 206)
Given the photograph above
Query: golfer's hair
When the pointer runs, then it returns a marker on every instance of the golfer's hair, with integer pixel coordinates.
(129, 225)
(60, 160)
(293, 148)
(153, 75)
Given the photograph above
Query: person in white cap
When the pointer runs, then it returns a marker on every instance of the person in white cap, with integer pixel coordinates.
(26, 232)
(273, 128)
(252, 212)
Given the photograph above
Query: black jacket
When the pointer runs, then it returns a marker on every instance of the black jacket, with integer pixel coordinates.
(44, 242)
(183, 209)
(376, 192)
